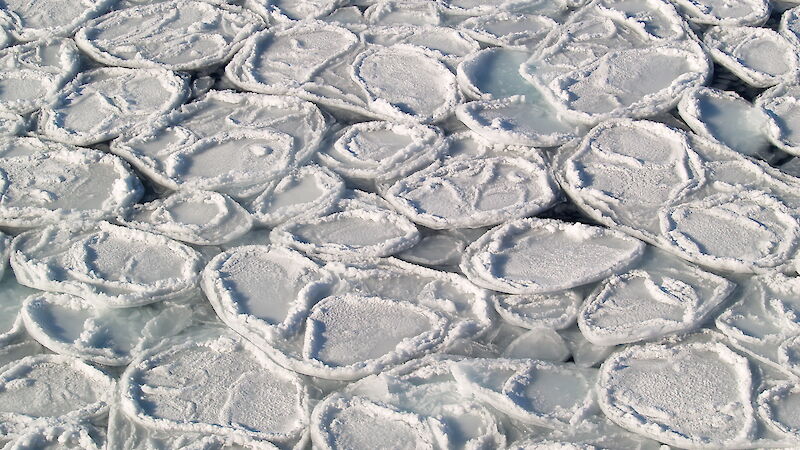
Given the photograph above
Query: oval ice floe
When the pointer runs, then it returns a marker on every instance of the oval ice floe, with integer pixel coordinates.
(293, 9)
(307, 190)
(382, 151)
(508, 30)
(474, 193)
(779, 407)
(206, 383)
(436, 249)
(663, 391)
(196, 217)
(407, 84)
(447, 45)
(46, 183)
(630, 83)
(493, 74)
(782, 104)
(358, 423)
(727, 118)
(12, 294)
(662, 295)
(264, 291)
(532, 256)
(99, 104)
(534, 392)
(175, 35)
(624, 171)
(353, 233)
(72, 326)
(398, 12)
(723, 12)
(51, 388)
(745, 232)
(353, 331)
(108, 265)
(556, 310)
(33, 72)
(29, 20)
(151, 146)
(758, 56)
(543, 344)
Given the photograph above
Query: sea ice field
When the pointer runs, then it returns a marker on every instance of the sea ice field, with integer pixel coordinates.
(385, 224)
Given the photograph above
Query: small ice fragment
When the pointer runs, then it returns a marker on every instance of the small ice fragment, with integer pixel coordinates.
(539, 343)
(556, 310)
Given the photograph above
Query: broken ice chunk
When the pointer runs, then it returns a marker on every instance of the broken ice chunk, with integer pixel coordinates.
(758, 56)
(46, 183)
(175, 35)
(782, 104)
(474, 193)
(727, 118)
(100, 104)
(111, 266)
(663, 295)
(72, 326)
(29, 20)
(683, 394)
(533, 256)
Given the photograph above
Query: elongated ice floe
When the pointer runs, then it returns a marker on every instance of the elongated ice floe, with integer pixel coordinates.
(293, 9)
(47, 183)
(382, 151)
(195, 217)
(33, 72)
(508, 30)
(533, 256)
(307, 190)
(204, 143)
(663, 391)
(108, 265)
(759, 56)
(556, 310)
(12, 294)
(535, 392)
(721, 12)
(662, 295)
(175, 35)
(726, 117)
(39, 389)
(206, 382)
(99, 104)
(40, 19)
(474, 193)
(782, 105)
(69, 325)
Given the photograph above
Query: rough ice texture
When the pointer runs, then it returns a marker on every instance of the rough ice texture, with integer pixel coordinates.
(29, 20)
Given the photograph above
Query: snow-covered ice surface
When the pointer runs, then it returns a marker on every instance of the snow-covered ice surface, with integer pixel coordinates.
(426, 224)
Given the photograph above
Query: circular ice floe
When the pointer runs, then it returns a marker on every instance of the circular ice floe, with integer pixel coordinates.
(759, 56)
(102, 103)
(215, 383)
(557, 310)
(165, 148)
(724, 12)
(693, 395)
(12, 294)
(307, 190)
(196, 217)
(663, 295)
(474, 193)
(779, 407)
(72, 326)
(382, 151)
(744, 232)
(359, 423)
(782, 104)
(532, 256)
(630, 83)
(624, 171)
(47, 388)
(534, 392)
(29, 20)
(406, 83)
(727, 118)
(111, 266)
(264, 291)
(353, 233)
(175, 35)
(31, 73)
(46, 183)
